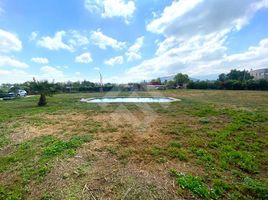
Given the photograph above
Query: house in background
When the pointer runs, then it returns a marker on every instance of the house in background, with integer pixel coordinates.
(259, 73)
(153, 85)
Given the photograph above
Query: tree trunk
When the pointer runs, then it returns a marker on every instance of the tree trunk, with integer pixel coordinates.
(42, 100)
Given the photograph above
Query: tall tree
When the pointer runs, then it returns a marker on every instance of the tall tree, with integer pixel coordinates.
(44, 88)
(181, 78)
(222, 77)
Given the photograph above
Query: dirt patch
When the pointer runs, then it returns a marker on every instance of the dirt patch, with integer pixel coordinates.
(62, 125)
(99, 175)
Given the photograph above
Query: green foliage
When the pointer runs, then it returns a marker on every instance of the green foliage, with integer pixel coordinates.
(255, 188)
(171, 84)
(235, 80)
(230, 85)
(241, 159)
(33, 160)
(229, 150)
(43, 88)
(15, 194)
(56, 147)
(156, 151)
(192, 183)
(219, 188)
(2, 93)
(174, 152)
(174, 144)
(181, 78)
(236, 75)
(197, 186)
(203, 155)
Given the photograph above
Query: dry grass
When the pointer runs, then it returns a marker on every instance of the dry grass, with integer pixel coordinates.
(132, 149)
(128, 172)
(62, 125)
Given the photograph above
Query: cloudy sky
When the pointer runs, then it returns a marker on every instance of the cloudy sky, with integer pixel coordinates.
(130, 40)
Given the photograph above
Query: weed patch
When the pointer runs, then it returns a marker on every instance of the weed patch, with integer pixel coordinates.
(203, 155)
(255, 188)
(192, 183)
(241, 159)
(181, 154)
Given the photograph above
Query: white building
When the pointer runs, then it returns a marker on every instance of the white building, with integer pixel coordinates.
(259, 73)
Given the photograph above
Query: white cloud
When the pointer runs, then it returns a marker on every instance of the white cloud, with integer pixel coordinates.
(186, 18)
(51, 72)
(133, 52)
(6, 61)
(62, 67)
(54, 43)
(77, 73)
(77, 39)
(69, 40)
(171, 13)
(97, 68)
(84, 58)
(4, 72)
(103, 41)
(9, 42)
(195, 36)
(33, 36)
(14, 76)
(252, 57)
(40, 60)
(112, 8)
(199, 57)
(116, 60)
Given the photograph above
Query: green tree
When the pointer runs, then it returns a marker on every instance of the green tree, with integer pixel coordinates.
(171, 84)
(181, 78)
(44, 88)
(222, 77)
(235, 75)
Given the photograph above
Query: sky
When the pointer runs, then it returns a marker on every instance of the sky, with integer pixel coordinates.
(130, 40)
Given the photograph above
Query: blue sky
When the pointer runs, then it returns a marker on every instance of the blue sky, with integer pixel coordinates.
(130, 40)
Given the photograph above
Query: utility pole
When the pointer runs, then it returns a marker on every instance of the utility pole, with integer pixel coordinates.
(101, 83)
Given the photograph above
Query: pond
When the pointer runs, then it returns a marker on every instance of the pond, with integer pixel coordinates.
(130, 100)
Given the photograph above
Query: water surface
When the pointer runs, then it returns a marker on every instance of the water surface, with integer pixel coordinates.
(130, 100)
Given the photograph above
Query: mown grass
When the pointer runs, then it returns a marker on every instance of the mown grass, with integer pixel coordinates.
(223, 134)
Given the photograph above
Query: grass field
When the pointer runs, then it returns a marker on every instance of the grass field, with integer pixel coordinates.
(210, 145)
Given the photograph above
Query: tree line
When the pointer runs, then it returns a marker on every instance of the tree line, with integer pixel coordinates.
(234, 80)
(65, 87)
